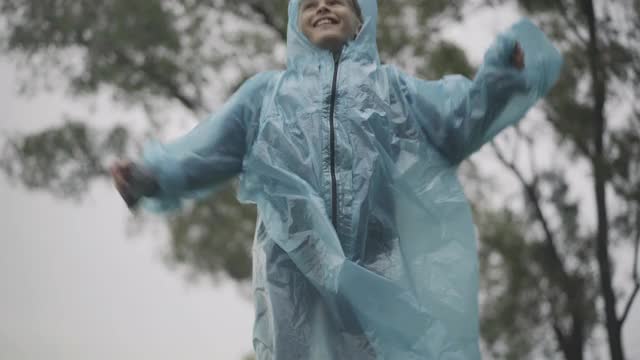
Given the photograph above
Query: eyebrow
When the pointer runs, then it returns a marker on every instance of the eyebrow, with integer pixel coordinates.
(347, 2)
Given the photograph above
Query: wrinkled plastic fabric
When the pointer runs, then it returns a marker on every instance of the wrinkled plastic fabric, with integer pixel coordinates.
(396, 277)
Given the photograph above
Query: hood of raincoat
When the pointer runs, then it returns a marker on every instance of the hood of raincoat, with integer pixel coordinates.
(301, 52)
(365, 246)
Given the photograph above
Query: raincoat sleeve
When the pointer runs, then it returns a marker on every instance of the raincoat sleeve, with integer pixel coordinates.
(459, 115)
(193, 165)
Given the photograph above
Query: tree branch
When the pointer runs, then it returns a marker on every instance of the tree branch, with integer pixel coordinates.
(562, 339)
(553, 117)
(562, 9)
(170, 86)
(636, 281)
(637, 248)
(268, 19)
(533, 197)
(599, 94)
(629, 303)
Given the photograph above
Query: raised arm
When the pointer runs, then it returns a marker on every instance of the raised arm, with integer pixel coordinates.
(459, 115)
(193, 165)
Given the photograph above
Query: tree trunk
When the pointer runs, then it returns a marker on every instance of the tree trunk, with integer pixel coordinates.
(598, 160)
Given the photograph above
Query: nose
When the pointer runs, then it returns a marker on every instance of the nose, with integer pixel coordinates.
(322, 7)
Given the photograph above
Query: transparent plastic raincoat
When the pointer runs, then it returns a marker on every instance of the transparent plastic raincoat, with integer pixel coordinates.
(365, 246)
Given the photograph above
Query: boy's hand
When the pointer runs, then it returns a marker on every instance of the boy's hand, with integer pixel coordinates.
(121, 175)
(517, 58)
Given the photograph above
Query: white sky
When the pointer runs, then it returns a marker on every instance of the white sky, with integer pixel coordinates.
(73, 286)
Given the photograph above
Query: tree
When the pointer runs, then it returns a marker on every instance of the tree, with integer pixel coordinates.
(566, 258)
(147, 54)
(543, 265)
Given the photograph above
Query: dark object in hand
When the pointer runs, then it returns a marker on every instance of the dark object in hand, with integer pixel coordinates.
(517, 58)
(133, 182)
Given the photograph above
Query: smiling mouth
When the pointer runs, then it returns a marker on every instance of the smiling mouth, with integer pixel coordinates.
(324, 21)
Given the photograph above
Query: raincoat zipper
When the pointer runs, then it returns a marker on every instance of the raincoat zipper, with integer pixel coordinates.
(332, 144)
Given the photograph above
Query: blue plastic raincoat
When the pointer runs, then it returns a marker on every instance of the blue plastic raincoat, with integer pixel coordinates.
(365, 245)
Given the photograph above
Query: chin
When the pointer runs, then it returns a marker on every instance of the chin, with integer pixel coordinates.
(330, 42)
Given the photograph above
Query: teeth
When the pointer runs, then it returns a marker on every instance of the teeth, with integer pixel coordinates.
(324, 21)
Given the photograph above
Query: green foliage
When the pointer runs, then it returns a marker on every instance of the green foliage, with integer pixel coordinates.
(214, 236)
(564, 251)
(447, 58)
(508, 291)
(528, 289)
(144, 49)
(538, 266)
(64, 159)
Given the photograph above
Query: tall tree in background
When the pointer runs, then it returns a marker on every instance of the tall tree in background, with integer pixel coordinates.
(544, 265)
(562, 264)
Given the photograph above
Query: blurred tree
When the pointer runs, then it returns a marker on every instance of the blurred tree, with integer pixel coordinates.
(543, 266)
(147, 54)
(561, 266)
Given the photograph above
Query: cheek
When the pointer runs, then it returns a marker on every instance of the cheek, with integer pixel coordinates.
(304, 27)
(348, 25)
(353, 24)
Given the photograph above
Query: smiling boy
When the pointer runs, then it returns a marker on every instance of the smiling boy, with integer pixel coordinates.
(330, 24)
(364, 245)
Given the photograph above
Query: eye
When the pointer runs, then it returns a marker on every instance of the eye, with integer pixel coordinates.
(307, 5)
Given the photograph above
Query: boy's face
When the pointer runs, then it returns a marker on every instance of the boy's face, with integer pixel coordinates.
(328, 24)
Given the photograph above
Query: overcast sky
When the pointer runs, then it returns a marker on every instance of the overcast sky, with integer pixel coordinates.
(73, 286)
